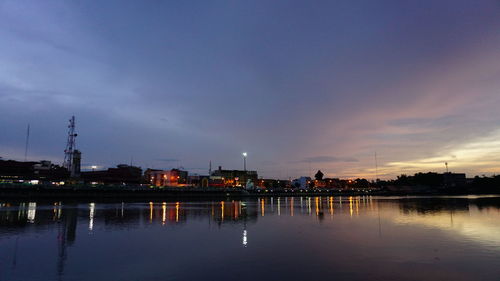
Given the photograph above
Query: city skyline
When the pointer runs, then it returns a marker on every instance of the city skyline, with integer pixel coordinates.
(298, 86)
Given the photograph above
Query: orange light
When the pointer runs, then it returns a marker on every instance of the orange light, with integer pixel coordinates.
(222, 210)
(177, 204)
(150, 211)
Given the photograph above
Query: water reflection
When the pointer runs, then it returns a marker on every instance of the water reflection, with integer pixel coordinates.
(130, 214)
(369, 223)
(245, 239)
(91, 216)
(31, 212)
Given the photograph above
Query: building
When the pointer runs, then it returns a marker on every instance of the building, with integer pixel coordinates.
(301, 183)
(273, 184)
(174, 177)
(122, 174)
(233, 178)
(199, 181)
(454, 180)
(334, 183)
(11, 170)
(39, 172)
(76, 166)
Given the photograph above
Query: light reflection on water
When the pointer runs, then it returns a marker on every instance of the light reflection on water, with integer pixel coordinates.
(301, 238)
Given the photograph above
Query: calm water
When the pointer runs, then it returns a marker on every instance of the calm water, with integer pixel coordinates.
(308, 238)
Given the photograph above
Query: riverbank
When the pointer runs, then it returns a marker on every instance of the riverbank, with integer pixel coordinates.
(142, 193)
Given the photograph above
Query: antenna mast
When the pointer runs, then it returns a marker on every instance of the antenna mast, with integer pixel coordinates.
(70, 145)
(27, 142)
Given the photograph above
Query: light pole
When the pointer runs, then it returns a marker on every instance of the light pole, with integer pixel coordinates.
(93, 168)
(244, 161)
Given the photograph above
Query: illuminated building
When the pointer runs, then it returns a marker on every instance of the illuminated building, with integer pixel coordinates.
(233, 177)
(174, 177)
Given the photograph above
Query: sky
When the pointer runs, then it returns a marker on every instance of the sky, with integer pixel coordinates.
(299, 85)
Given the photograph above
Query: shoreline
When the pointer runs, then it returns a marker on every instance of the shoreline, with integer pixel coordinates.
(36, 193)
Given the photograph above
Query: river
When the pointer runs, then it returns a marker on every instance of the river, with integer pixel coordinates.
(287, 238)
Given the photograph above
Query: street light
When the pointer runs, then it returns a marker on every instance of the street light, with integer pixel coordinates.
(244, 161)
(93, 168)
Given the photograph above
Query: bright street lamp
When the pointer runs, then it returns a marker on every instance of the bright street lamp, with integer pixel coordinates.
(244, 161)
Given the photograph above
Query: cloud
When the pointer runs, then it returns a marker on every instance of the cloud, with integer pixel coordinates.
(276, 81)
(473, 156)
(328, 159)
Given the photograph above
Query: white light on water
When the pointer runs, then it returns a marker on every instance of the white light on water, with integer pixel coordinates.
(245, 241)
(91, 216)
(31, 212)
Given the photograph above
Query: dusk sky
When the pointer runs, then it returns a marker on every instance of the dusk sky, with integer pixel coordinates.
(299, 85)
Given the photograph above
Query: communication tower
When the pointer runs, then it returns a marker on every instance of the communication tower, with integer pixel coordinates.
(70, 145)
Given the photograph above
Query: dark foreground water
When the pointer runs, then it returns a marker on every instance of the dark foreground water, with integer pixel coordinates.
(308, 238)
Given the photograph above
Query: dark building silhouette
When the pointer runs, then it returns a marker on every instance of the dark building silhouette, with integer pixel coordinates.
(122, 174)
(44, 171)
(454, 180)
(199, 180)
(75, 167)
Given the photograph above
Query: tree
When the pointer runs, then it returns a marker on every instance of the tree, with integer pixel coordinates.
(319, 175)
